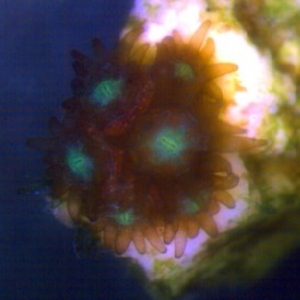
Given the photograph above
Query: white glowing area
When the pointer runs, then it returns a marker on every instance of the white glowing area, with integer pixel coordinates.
(253, 97)
(163, 16)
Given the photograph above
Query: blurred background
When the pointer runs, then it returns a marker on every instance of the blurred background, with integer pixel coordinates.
(37, 257)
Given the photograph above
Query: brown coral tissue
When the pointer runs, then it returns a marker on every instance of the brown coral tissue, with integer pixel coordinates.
(138, 154)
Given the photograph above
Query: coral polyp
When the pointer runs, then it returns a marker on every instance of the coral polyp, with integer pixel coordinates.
(138, 155)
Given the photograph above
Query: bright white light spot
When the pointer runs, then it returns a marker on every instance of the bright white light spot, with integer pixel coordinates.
(163, 16)
(254, 99)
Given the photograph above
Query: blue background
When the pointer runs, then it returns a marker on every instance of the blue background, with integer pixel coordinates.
(37, 259)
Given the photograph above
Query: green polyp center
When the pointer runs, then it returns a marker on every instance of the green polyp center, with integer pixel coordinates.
(80, 164)
(169, 144)
(125, 217)
(190, 206)
(107, 91)
(184, 71)
(196, 203)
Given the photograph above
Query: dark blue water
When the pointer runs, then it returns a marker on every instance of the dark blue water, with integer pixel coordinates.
(37, 259)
